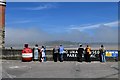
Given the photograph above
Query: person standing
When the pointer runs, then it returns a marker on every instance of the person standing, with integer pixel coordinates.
(102, 54)
(36, 53)
(43, 54)
(61, 51)
(80, 53)
(88, 53)
(27, 54)
(55, 54)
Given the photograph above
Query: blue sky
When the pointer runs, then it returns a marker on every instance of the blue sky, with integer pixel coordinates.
(62, 19)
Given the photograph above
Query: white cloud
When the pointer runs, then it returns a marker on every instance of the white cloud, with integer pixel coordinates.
(19, 22)
(85, 27)
(23, 21)
(100, 33)
(112, 24)
(105, 34)
(16, 36)
(82, 28)
(41, 7)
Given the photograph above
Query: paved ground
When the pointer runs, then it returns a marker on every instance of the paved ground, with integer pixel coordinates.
(18, 69)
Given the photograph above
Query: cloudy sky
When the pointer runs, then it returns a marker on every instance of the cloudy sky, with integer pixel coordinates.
(49, 21)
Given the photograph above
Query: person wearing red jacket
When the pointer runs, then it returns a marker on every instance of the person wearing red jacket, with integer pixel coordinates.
(27, 54)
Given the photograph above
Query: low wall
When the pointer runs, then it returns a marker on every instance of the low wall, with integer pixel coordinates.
(15, 54)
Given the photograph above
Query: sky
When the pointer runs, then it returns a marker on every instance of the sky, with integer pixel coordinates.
(69, 21)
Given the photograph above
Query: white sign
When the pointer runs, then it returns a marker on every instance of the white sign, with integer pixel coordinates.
(27, 55)
(71, 55)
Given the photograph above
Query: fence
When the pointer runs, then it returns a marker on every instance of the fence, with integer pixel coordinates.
(70, 55)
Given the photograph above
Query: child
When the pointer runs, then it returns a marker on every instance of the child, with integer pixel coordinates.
(43, 54)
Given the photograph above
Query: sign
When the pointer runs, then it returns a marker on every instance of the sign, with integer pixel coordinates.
(111, 53)
(27, 55)
(71, 55)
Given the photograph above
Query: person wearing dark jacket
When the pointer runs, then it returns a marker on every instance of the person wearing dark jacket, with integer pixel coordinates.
(80, 53)
(55, 54)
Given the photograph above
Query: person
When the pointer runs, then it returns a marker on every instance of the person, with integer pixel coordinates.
(85, 56)
(55, 53)
(80, 53)
(61, 51)
(36, 53)
(102, 54)
(11, 48)
(88, 53)
(43, 54)
(27, 54)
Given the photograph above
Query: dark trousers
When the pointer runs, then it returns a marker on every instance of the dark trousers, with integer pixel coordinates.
(40, 57)
(88, 58)
(79, 57)
(55, 57)
(85, 57)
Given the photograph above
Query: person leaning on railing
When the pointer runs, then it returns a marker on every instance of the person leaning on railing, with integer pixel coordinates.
(27, 54)
(88, 53)
(102, 54)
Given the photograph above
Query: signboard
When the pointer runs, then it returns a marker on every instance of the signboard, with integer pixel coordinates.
(71, 55)
(111, 53)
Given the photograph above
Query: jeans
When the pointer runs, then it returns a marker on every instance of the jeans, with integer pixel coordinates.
(61, 57)
(103, 57)
(44, 59)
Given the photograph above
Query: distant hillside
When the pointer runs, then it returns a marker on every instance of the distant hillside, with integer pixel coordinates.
(67, 44)
(53, 43)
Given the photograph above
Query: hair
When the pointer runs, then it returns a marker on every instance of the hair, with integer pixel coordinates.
(42, 46)
(26, 45)
(36, 45)
(81, 45)
(102, 46)
(87, 45)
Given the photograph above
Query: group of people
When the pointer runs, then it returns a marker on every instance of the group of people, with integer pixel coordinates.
(87, 53)
(35, 54)
(58, 53)
(39, 54)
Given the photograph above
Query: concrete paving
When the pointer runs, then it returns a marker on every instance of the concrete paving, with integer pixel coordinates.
(49, 69)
